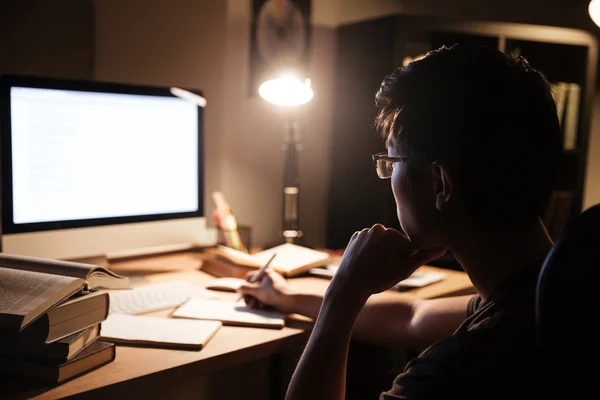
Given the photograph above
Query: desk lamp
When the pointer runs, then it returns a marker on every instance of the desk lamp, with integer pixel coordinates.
(290, 92)
(594, 10)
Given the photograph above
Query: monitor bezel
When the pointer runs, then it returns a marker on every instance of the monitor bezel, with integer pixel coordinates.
(9, 81)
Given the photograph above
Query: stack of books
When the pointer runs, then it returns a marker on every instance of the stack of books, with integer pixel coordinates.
(51, 315)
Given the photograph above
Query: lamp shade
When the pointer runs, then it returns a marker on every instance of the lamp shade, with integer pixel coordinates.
(594, 10)
(286, 91)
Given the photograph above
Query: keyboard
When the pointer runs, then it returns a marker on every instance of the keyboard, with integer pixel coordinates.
(155, 297)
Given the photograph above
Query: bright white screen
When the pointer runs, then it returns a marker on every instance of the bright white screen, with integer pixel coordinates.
(81, 155)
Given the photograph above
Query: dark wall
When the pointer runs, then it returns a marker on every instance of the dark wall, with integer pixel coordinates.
(563, 13)
(50, 38)
(365, 54)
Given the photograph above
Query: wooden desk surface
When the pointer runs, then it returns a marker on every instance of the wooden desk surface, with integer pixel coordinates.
(137, 367)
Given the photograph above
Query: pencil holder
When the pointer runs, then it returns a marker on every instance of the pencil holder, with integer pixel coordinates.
(245, 233)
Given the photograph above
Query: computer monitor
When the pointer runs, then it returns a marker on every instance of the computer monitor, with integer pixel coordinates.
(95, 168)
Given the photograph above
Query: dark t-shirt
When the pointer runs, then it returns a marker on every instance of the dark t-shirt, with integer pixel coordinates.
(490, 356)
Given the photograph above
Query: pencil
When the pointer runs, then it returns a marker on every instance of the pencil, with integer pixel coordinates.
(258, 275)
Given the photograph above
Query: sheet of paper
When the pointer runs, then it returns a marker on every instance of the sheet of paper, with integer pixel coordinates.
(157, 331)
(229, 313)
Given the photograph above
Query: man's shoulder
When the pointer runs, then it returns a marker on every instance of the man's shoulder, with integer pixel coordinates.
(494, 347)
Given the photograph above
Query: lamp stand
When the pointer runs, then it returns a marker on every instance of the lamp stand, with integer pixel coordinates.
(291, 188)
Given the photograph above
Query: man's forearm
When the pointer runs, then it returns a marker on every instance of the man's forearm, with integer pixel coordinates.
(321, 371)
(302, 303)
(386, 319)
(383, 320)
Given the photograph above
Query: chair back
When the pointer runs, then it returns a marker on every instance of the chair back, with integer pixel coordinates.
(567, 305)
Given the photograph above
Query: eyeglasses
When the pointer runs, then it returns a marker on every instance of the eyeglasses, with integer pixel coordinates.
(384, 164)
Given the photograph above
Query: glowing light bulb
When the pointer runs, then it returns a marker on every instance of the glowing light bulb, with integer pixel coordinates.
(594, 10)
(286, 91)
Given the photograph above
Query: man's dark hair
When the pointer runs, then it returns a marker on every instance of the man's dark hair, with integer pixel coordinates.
(489, 116)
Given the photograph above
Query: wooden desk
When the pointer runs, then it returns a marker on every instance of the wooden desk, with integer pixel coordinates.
(235, 363)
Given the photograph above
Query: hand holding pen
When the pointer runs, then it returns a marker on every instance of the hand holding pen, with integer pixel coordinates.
(258, 275)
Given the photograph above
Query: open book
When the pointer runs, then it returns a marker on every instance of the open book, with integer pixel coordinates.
(76, 313)
(73, 315)
(291, 259)
(95, 276)
(30, 286)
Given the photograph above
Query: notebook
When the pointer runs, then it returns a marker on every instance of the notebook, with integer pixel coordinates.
(149, 331)
(230, 313)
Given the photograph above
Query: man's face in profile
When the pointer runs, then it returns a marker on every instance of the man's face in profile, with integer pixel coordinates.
(415, 195)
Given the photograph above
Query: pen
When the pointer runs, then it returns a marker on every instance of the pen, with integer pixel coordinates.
(258, 275)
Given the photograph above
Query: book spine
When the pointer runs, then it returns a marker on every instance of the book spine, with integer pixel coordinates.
(56, 352)
(37, 331)
(559, 93)
(11, 322)
(571, 117)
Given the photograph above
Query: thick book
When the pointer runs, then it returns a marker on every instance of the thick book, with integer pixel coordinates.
(60, 351)
(147, 331)
(30, 286)
(93, 356)
(95, 276)
(71, 316)
(290, 260)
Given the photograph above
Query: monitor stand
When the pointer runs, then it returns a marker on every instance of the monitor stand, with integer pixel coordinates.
(102, 244)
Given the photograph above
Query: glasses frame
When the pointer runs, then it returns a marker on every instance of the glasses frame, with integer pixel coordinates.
(383, 157)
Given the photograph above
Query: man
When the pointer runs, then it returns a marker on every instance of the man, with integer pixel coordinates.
(473, 144)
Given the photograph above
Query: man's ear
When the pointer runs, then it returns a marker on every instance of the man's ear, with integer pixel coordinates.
(442, 185)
